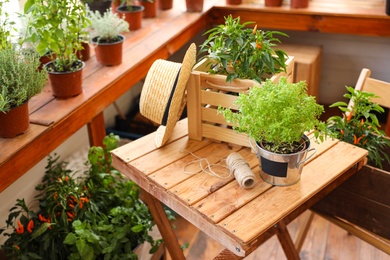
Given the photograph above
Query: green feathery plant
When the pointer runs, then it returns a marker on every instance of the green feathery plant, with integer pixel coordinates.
(359, 125)
(277, 114)
(20, 78)
(241, 52)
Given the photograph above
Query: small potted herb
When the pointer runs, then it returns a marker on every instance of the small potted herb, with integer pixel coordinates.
(276, 115)
(133, 13)
(237, 51)
(20, 80)
(60, 26)
(106, 37)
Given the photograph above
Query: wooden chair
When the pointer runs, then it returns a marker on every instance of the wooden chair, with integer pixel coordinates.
(382, 90)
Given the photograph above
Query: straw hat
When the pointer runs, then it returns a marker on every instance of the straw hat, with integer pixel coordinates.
(163, 94)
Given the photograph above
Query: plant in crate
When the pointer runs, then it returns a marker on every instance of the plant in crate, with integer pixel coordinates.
(96, 216)
(277, 115)
(237, 51)
(59, 26)
(359, 125)
(20, 80)
(106, 37)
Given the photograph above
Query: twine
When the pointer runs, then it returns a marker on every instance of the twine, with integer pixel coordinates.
(241, 170)
(235, 164)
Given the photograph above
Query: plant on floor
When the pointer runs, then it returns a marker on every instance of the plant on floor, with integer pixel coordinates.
(277, 115)
(359, 125)
(58, 26)
(107, 27)
(20, 80)
(96, 216)
(241, 52)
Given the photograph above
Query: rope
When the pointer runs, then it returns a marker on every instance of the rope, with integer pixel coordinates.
(235, 165)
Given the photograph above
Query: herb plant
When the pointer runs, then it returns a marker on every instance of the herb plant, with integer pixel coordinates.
(241, 52)
(5, 27)
(107, 26)
(359, 125)
(58, 27)
(277, 114)
(20, 79)
(96, 216)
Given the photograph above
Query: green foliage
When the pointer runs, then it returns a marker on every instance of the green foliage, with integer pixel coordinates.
(359, 125)
(98, 216)
(20, 80)
(240, 52)
(58, 26)
(5, 27)
(277, 113)
(108, 26)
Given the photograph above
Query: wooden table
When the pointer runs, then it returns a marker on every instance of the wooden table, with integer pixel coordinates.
(54, 121)
(240, 219)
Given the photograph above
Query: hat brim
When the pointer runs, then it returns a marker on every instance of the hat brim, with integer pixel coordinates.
(178, 103)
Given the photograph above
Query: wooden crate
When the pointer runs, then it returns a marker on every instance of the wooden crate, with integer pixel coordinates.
(206, 92)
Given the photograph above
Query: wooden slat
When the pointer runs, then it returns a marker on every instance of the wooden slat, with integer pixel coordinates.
(260, 209)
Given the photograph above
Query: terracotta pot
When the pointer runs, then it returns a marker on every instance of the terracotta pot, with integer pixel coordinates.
(14, 122)
(233, 2)
(299, 3)
(66, 84)
(150, 10)
(194, 5)
(108, 54)
(45, 59)
(85, 53)
(273, 3)
(165, 4)
(133, 17)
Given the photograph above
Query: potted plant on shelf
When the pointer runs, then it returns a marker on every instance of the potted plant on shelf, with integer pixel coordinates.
(106, 37)
(276, 115)
(150, 8)
(59, 27)
(237, 51)
(20, 80)
(132, 13)
(95, 216)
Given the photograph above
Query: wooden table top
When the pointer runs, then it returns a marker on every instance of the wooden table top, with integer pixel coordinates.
(238, 218)
(53, 121)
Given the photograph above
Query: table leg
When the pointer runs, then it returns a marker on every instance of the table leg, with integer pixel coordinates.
(164, 226)
(286, 241)
(97, 130)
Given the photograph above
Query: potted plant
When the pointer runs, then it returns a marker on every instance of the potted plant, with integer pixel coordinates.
(273, 3)
(106, 37)
(237, 51)
(132, 13)
(165, 4)
(276, 115)
(94, 216)
(61, 34)
(194, 5)
(20, 80)
(150, 8)
(363, 199)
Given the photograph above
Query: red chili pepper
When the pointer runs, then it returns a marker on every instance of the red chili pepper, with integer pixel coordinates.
(80, 205)
(342, 131)
(84, 199)
(349, 116)
(16, 247)
(30, 226)
(20, 229)
(254, 29)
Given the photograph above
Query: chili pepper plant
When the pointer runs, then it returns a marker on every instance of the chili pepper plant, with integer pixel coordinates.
(238, 51)
(97, 215)
(360, 126)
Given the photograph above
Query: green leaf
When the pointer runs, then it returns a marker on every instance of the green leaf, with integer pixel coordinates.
(70, 239)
